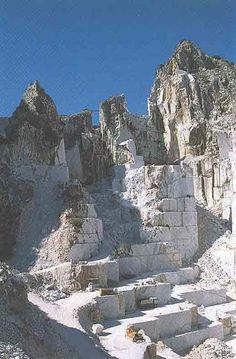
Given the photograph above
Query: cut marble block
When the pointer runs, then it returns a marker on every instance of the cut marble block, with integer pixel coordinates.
(161, 291)
(111, 306)
(201, 296)
(182, 342)
(129, 296)
(83, 251)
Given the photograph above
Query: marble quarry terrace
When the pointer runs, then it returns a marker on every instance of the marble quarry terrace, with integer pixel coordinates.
(119, 240)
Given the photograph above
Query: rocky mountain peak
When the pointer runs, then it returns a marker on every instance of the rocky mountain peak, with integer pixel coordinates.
(191, 91)
(37, 102)
(188, 57)
(188, 46)
(35, 130)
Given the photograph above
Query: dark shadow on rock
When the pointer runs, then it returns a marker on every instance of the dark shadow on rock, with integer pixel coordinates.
(121, 220)
(210, 228)
(43, 338)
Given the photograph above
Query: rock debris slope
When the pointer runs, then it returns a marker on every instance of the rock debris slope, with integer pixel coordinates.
(130, 204)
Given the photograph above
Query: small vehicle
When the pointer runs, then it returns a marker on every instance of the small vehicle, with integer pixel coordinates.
(148, 303)
(135, 335)
(107, 291)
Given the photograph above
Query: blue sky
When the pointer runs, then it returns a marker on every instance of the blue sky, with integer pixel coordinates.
(83, 51)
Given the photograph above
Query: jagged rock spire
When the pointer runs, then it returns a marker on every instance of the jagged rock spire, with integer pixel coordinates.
(35, 130)
(187, 45)
(189, 57)
(36, 101)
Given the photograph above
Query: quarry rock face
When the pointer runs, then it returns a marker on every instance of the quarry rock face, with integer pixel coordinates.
(193, 96)
(119, 125)
(191, 113)
(75, 125)
(135, 199)
(13, 289)
(34, 132)
(86, 153)
(164, 196)
(79, 232)
(15, 194)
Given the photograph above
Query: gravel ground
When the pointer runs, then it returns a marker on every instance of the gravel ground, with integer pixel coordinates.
(211, 272)
(211, 349)
(8, 351)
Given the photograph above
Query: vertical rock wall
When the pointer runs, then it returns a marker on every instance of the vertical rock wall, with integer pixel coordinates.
(86, 154)
(118, 125)
(164, 196)
(193, 95)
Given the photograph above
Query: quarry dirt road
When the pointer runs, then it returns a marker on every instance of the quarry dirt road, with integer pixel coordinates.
(70, 330)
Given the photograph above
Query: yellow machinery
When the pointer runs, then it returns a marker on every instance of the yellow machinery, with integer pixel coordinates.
(134, 335)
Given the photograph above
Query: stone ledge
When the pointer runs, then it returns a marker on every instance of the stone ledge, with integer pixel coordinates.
(182, 342)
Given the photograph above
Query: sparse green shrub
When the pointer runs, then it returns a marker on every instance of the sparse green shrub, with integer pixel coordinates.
(217, 57)
(121, 251)
(76, 222)
(3, 191)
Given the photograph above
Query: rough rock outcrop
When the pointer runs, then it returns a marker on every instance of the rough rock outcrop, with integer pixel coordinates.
(119, 125)
(191, 112)
(143, 215)
(13, 290)
(193, 97)
(79, 232)
(14, 196)
(86, 153)
(34, 132)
